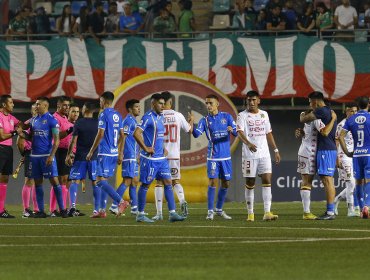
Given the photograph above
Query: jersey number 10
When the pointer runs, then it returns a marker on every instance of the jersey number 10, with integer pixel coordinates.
(170, 135)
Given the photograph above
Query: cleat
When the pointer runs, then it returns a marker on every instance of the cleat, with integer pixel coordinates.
(365, 212)
(158, 217)
(174, 217)
(71, 212)
(326, 216)
(184, 209)
(250, 217)
(309, 216)
(140, 218)
(358, 213)
(210, 215)
(269, 216)
(122, 207)
(113, 210)
(27, 213)
(54, 214)
(40, 215)
(223, 215)
(102, 214)
(352, 213)
(6, 215)
(79, 213)
(64, 213)
(95, 215)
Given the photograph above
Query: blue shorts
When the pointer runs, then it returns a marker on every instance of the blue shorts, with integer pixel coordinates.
(79, 169)
(40, 170)
(361, 167)
(154, 169)
(106, 166)
(325, 162)
(219, 169)
(130, 169)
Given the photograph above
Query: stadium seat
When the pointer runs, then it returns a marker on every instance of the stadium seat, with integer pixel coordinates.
(58, 7)
(76, 6)
(221, 6)
(47, 6)
(220, 22)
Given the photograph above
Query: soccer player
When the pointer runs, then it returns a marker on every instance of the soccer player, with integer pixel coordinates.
(84, 132)
(65, 129)
(149, 134)
(218, 126)
(307, 160)
(109, 140)
(254, 129)
(359, 126)
(45, 142)
(173, 123)
(326, 149)
(345, 167)
(130, 167)
(9, 127)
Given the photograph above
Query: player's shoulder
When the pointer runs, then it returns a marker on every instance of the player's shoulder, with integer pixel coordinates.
(263, 113)
(225, 114)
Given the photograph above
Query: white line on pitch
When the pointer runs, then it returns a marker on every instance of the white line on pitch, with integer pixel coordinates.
(138, 237)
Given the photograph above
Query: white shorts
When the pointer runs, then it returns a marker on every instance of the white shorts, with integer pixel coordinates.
(253, 167)
(175, 169)
(346, 173)
(306, 165)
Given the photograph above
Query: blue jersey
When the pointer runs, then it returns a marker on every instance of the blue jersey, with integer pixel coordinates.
(153, 133)
(359, 126)
(217, 134)
(85, 129)
(131, 148)
(111, 121)
(325, 143)
(42, 135)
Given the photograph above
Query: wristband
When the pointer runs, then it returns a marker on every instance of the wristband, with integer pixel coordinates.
(276, 150)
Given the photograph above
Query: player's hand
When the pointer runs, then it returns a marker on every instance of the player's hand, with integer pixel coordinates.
(190, 117)
(89, 156)
(149, 150)
(49, 160)
(229, 128)
(165, 152)
(333, 115)
(299, 133)
(252, 147)
(277, 158)
(349, 154)
(120, 159)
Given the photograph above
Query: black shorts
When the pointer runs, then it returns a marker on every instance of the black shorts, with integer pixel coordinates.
(6, 160)
(26, 164)
(60, 157)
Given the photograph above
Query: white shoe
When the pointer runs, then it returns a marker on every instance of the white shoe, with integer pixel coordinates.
(210, 215)
(158, 217)
(113, 210)
(352, 213)
(223, 215)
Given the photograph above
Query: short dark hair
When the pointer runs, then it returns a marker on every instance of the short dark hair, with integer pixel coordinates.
(166, 95)
(43, 98)
(252, 93)
(61, 99)
(322, 5)
(318, 95)
(156, 96)
(187, 4)
(98, 4)
(4, 98)
(362, 102)
(108, 96)
(130, 103)
(214, 96)
(90, 106)
(351, 105)
(74, 105)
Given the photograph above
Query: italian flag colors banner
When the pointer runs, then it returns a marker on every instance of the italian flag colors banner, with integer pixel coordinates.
(278, 67)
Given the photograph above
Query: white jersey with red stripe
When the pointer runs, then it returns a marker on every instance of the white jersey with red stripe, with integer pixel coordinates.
(348, 139)
(308, 146)
(173, 123)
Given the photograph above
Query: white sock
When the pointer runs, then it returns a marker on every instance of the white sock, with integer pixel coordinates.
(267, 197)
(306, 200)
(179, 192)
(350, 187)
(158, 193)
(249, 199)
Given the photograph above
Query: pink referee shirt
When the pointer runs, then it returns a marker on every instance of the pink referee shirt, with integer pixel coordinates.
(8, 124)
(64, 125)
(27, 144)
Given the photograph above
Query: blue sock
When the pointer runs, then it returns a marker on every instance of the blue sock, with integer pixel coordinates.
(221, 197)
(367, 194)
(110, 191)
(133, 196)
(330, 207)
(359, 191)
(211, 197)
(73, 194)
(40, 198)
(58, 195)
(142, 197)
(96, 194)
(168, 194)
(121, 189)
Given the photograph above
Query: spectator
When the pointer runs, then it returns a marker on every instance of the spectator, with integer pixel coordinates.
(129, 22)
(306, 22)
(367, 15)
(164, 24)
(111, 26)
(276, 20)
(19, 25)
(134, 6)
(42, 22)
(239, 17)
(250, 15)
(66, 21)
(290, 16)
(271, 4)
(168, 7)
(81, 25)
(120, 6)
(324, 18)
(261, 20)
(186, 18)
(345, 18)
(153, 12)
(96, 22)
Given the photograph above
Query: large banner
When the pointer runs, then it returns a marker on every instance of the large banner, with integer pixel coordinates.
(277, 67)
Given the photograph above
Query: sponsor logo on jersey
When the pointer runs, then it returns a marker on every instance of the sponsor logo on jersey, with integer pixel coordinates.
(360, 119)
(115, 118)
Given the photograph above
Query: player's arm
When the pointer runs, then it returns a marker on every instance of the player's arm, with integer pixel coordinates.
(306, 117)
(342, 142)
(56, 140)
(20, 145)
(191, 122)
(138, 135)
(240, 131)
(272, 144)
(71, 146)
(232, 126)
(99, 136)
(121, 145)
(200, 128)
(326, 130)
(65, 133)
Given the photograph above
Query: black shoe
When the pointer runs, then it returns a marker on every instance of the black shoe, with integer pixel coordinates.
(78, 213)
(40, 215)
(72, 212)
(326, 216)
(27, 213)
(54, 214)
(64, 213)
(6, 215)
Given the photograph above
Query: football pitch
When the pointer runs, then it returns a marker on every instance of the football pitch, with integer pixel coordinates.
(121, 248)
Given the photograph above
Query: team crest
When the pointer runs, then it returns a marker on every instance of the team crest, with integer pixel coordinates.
(223, 121)
(44, 122)
(101, 122)
(262, 115)
(115, 118)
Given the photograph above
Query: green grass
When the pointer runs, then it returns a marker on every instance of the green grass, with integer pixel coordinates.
(120, 248)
